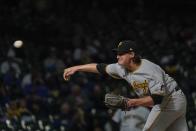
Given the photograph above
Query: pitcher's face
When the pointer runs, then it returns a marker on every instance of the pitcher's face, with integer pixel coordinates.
(124, 59)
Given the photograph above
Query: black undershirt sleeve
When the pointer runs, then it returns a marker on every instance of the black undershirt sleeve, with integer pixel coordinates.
(101, 67)
(157, 99)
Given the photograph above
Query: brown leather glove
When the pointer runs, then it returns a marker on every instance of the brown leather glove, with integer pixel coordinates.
(114, 101)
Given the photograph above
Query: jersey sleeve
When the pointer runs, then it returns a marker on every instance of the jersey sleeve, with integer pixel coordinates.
(114, 71)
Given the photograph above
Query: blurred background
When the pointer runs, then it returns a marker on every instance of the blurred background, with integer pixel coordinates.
(39, 38)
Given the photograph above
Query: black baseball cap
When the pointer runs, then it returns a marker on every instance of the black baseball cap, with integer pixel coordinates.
(125, 47)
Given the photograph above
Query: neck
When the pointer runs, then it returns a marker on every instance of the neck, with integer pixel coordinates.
(133, 66)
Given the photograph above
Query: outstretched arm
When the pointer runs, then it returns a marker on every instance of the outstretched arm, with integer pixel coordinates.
(82, 68)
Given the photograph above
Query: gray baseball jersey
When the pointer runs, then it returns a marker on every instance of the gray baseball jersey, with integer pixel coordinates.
(148, 79)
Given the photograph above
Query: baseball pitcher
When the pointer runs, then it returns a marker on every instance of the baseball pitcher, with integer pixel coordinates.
(154, 87)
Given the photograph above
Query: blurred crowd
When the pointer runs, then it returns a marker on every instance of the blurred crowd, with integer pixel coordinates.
(60, 34)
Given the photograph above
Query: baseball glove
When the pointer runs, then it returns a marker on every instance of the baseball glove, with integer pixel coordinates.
(114, 101)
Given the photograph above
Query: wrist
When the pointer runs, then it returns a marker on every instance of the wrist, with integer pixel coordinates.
(80, 68)
(77, 68)
(131, 102)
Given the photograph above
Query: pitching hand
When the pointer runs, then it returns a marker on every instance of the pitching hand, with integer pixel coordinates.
(68, 72)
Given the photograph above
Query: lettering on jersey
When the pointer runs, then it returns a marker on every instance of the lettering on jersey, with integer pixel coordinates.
(141, 85)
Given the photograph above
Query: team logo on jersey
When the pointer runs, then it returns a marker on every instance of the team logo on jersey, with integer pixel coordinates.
(141, 85)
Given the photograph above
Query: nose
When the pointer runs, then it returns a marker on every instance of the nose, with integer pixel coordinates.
(118, 56)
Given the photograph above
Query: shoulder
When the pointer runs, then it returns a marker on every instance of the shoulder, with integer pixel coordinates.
(115, 70)
(146, 67)
(146, 61)
(148, 64)
(115, 66)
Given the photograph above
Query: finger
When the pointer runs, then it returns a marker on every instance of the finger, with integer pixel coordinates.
(67, 78)
(67, 71)
(66, 74)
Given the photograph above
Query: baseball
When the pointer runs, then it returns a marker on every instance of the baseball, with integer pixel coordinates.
(18, 43)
